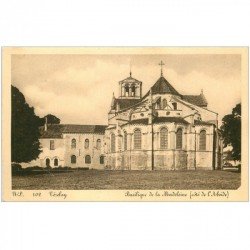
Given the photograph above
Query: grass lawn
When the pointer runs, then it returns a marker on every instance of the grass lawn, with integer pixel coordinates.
(101, 179)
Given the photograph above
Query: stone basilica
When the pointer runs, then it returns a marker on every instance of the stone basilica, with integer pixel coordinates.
(162, 130)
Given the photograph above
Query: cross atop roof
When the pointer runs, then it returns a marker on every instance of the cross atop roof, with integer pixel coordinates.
(161, 64)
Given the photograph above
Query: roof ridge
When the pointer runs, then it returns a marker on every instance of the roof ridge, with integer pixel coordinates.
(191, 95)
(198, 100)
(68, 124)
(129, 77)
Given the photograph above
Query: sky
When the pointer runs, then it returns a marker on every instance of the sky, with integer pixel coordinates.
(78, 89)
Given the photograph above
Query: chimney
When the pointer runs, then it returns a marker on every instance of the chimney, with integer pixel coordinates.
(45, 124)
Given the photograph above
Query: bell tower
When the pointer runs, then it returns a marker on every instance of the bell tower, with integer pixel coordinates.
(130, 88)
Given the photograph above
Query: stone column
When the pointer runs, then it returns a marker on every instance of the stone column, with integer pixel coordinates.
(129, 149)
(172, 142)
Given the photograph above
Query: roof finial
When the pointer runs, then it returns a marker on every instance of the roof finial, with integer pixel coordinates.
(161, 64)
(201, 91)
(130, 73)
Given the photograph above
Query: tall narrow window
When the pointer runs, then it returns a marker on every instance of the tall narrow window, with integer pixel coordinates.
(73, 143)
(101, 159)
(86, 144)
(73, 159)
(52, 144)
(174, 105)
(126, 90)
(47, 162)
(202, 140)
(98, 144)
(87, 159)
(137, 139)
(125, 140)
(133, 90)
(164, 103)
(179, 139)
(55, 162)
(112, 139)
(158, 104)
(164, 138)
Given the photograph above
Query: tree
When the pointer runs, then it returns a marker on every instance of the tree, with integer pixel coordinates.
(25, 134)
(231, 131)
(51, 119)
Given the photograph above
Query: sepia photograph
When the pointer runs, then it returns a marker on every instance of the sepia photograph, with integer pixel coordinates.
(126, 119)
(124, 125)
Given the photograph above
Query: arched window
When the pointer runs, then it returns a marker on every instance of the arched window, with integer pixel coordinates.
(47, 162)
(133, 90)
(112, 143)
(202, 140)
(179, 139)
(55, 162)
(125, 140)
(73, 143)
(87, 159)
(126, 90)
(98, 144)
(157, 104)
(137, 139)
(174, 105)
(86, 144)
(73, 159)
(164, 138)
(101, 159)
(164, 103)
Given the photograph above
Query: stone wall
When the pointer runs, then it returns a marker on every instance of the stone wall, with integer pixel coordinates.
(57, 153)
(164, 159)
(62, 152)
(81, 151)
(204, 160)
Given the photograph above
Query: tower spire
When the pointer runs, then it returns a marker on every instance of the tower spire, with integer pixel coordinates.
(130, 73)
(161, 64)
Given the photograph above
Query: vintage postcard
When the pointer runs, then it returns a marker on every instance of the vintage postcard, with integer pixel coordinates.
(125, 124)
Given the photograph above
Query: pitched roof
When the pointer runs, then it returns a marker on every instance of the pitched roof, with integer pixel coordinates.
(129, 79)
(162, 86)
(125, 103)
(53, 131)
(197, 122)
(198, 100)
(170, 119)
(156, 120)
(57, 130)
(143, 121)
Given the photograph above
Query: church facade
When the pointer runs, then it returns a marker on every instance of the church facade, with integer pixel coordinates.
(162, 130)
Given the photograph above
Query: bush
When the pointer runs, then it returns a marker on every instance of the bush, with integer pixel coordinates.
(239, 168)
(32, 168)
(15, 167)
(84, 168)
(60, 168)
